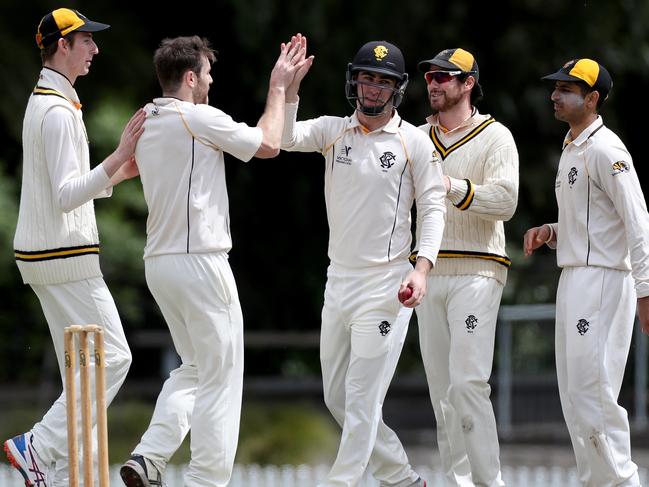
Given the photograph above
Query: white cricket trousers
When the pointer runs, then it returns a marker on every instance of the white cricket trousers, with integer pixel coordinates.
(594, 325)
(363, 331)
(457, 329)
(77, 303)
(198, 298)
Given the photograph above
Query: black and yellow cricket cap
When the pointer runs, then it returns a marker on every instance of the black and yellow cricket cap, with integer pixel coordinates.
(61, 22)
(585, 70)
(453, 60)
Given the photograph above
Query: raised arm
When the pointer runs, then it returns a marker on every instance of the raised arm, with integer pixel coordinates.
(291, 61)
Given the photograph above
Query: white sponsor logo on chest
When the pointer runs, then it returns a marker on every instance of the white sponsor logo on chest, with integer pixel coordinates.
(343, 155)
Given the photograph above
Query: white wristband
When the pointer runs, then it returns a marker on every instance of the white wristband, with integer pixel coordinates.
(551, 234)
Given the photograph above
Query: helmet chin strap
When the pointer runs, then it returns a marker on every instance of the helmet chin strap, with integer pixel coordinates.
(357, 102)
(374, 111)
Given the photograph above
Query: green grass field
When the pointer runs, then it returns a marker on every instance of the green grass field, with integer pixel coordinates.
(280, 433)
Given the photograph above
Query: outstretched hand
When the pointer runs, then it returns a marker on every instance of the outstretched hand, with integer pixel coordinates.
(131, 134)
(126, 148)
(292, 65)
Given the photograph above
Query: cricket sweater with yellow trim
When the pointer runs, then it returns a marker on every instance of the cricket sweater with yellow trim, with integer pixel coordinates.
(481, 160)
(56, 236)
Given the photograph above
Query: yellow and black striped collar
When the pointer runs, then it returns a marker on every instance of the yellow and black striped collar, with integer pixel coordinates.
(54, 83)
(41, 90)
(445, 151)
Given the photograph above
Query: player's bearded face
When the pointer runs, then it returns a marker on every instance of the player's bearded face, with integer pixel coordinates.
(202, 87)
(444, 96)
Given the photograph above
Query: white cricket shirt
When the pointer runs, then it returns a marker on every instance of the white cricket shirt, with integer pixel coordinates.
(371, 181)
(180, 158)
(603, 219)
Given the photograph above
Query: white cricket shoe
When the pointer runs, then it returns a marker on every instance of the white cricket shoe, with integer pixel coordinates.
(22, 455)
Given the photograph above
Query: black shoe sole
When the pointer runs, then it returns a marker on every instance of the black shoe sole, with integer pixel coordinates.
(130, 477)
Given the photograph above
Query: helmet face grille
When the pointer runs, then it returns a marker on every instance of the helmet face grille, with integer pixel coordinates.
(377, 57)
(357, 102)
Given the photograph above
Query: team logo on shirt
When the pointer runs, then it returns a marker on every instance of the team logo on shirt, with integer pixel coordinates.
(384, 328)
(582, 327)
(155, 111)
(572, 176)
(343, 156)
(619, 167)
(436, 157)
(387, 160)
(471, 322)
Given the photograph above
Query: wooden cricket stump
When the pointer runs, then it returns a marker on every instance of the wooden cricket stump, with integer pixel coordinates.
(82, 332)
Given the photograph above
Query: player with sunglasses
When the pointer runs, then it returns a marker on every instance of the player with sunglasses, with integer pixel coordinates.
(457, 318)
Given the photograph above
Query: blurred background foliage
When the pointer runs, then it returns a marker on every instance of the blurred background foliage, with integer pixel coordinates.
(278, 219)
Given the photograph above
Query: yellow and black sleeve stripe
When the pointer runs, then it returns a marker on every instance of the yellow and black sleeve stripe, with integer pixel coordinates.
(468, 197)
(51, 254)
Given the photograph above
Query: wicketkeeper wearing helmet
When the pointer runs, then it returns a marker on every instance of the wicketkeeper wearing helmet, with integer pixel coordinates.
(376, 166)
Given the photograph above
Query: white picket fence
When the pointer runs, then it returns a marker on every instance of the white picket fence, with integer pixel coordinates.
(308, 476)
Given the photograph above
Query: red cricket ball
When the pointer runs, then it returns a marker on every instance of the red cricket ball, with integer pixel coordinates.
(405, 294)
